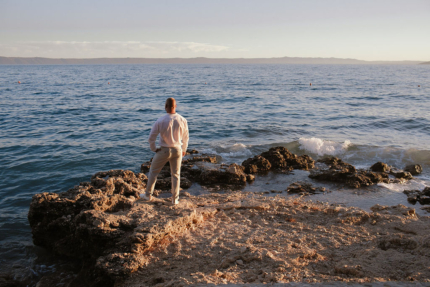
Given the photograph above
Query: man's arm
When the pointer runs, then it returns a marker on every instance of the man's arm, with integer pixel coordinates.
(185, 138)
(153, 137)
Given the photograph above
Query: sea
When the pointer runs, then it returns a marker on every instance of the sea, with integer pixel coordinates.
(62, 123)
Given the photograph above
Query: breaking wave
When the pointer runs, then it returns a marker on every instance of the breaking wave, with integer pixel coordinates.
(321, 147)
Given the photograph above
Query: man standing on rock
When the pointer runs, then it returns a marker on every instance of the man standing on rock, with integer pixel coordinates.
(173, 130)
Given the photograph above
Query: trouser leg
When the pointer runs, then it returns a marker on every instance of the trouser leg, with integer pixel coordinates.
(159, 160)
(175, 170)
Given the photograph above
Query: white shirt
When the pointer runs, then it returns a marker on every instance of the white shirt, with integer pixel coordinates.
(173, 130)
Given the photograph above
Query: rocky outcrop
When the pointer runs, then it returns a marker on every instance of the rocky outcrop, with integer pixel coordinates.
(339, 171)
(203, 169)
(414, 169)
(421, 196)
(380, 167)
(256, 164)
(101, 223)
(282, 158)
(277, 158)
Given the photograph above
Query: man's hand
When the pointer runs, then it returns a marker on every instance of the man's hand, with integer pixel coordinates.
(157, 150)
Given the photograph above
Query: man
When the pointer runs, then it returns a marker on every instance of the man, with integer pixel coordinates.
(173, 130)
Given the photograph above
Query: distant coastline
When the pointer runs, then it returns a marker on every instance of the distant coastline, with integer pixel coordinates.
(198, 60)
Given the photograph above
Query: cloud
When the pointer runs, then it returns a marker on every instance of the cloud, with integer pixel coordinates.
(86, 49)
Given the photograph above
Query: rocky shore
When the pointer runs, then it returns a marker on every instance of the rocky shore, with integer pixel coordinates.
(234, 236)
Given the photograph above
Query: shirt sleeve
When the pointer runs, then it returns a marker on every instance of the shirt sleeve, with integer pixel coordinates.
(153, 137)
(185, 137)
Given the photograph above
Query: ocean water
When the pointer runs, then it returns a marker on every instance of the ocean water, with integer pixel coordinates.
(62, 124)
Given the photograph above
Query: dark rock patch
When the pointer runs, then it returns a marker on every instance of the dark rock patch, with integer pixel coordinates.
(304, 188)
(421, 196)
(414, 169)
(380, 167)
(342, 172)
(256, 164)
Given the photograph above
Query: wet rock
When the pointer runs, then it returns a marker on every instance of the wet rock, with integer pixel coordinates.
(256, 164)
(206, 158)
(282, 158)
(421, 196)
(380, 167)
(304, 188)
(335, 163)
(339, 171)
(233, 174)
(414, 169)
(403, 175)
(192, 151)
(277, 158)
(250, 177)
(144, 168)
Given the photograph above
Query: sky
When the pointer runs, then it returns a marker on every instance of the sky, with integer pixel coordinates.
(386, 30)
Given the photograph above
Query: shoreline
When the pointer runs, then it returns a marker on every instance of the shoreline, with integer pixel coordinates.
(121, 238)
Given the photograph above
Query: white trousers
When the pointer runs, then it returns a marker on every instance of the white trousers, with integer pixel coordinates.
(173, 155)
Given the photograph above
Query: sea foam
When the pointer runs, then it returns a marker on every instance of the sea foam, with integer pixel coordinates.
(322, 147)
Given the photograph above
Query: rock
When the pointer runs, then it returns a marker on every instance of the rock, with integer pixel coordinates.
(233, 174)
(339, 171)
(192, 151)
(144, 168)
(102, 225)
(414, 169)
(304, 188)
(250, 177)
(211, 159)
(380, 167)
(403, 175)
(335, 163)
(256, 164)
(279, 158)
(275, 157)
(414, 196)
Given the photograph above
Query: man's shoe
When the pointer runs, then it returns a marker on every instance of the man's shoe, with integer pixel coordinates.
(145, 197)
(175, 201)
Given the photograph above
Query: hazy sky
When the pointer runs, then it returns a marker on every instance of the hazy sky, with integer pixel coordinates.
(360, 29)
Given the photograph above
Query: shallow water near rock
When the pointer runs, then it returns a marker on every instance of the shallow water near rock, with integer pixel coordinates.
(64, 123)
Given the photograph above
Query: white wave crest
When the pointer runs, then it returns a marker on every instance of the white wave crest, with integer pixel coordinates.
(229, 152)
(322, 147)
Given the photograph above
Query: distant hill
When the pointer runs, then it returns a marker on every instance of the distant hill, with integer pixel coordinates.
(425, 63)
(120, 61)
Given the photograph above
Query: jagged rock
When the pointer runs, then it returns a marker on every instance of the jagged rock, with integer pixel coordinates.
(144, 168)
(256, 164)
(414, 169)
(250, 177)
(192, 151)
(380, 167)
(421, 196)
(335, 163)
(279, 158)
(104, 226)
(342, 172)
(275, 155)
(304, 188)
(233, 174)
(403, 175)
(207, 158)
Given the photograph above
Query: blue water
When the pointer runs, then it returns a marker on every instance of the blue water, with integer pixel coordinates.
(64, 123)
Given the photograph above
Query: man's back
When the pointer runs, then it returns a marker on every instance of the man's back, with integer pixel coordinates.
(173, 130)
